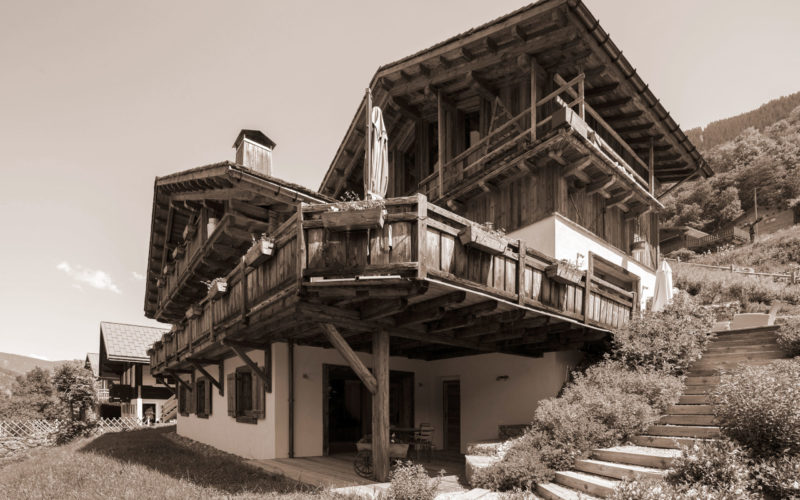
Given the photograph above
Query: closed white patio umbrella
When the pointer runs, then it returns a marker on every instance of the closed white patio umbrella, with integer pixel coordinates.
(376, 171)
(663, 288)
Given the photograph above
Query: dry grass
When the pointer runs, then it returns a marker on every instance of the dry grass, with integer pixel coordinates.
(151, 463)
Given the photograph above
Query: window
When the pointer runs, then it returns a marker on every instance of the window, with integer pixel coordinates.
(245, 395)
(184, 396)
(202, 388)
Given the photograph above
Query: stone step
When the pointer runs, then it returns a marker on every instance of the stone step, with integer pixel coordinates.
(672, 443)
(586, 483)
(617, 471)
(694, 399)
(696, 431)
(748, 331)
(688, 420)
(741, 349)
(745, 356)
(690, 410)
(713, 380)
(643, 456)
(704, 366)
(553, 491)
(752, 338)
(697, 390)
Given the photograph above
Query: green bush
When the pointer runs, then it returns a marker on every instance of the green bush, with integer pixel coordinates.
(607, 404)
(68, 430)
(719, 464)
(410, 481)
(682, 254)
(759, 406)
(667, 341)
(779, 477)
(789, 336)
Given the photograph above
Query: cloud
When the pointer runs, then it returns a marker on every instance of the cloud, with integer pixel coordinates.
(92, 277)
(137, 276)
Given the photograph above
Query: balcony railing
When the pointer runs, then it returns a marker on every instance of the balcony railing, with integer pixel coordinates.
(418, 241)
(731, 235)
(509, 142)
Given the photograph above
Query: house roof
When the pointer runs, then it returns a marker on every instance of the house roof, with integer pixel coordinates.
(675, 230)
(93, 362)
(127, 343)
(255, 136)
(578, 27)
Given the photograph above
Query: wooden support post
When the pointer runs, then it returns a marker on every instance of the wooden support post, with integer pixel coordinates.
(651, 165)
(534, 99)
(202, 370)
(442, 139)
(173, 390)
(422, 234)
(291, 399)
(581, 101)
(266, 374)
(380, 406)
(341, 345)
(588, 287)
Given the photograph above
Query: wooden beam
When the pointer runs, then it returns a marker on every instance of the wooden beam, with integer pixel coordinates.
(600, 186)
(534, 96)
(266, 374)
(611, 103)
(651, 163)
(619, 201)
(440, 114)
(380, 406)
(481, 87)
(185, 384)
(675, 186)
(341, 345)
(202, 370)
(601, 90)
(430, 309)
(380, 308)
(576, 168)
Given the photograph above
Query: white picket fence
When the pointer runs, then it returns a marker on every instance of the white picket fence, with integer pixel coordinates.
(33, 428)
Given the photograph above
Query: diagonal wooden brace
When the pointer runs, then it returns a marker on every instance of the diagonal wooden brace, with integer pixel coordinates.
(348, 354)
(266, 374)
(205, 373)
(185, 384)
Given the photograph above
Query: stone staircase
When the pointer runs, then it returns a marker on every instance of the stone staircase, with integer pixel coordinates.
(692, 418)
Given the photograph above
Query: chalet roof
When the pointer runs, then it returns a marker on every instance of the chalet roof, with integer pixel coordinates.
(127, 343)
(218, 181)
(93, 362)
(255, 136)
(566, 35)
(675, 230)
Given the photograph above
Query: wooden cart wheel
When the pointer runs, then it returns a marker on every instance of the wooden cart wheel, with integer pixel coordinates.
(363, 464)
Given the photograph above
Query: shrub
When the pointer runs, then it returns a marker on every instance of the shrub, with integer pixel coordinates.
(779, 476)
(667, 341)
(410, 481)
(519, 469)
(68, 430)
(759, 406)
(789, 336)
(682, 254)
(720, 464)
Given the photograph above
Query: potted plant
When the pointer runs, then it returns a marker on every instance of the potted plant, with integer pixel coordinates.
(565, 271)
(178, 251)
(352, 214)
(189, 231)
(216, 288)
(261, 250)
(484, 237)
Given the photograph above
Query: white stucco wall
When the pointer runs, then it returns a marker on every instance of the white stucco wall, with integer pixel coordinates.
(486, 402)
(561, 238)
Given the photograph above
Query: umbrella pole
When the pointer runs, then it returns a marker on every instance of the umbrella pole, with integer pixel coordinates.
(368, 148)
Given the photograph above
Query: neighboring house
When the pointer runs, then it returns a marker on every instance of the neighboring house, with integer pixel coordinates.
(770, 220)
(674, 238)
(343, 320)
(123, 359)
(105, 408)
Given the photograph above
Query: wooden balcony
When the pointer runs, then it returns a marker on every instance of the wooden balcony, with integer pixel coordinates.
(421, 276)
(567, 131)
(729, 236)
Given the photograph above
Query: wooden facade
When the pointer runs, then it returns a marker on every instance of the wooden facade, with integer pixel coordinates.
(534, 114)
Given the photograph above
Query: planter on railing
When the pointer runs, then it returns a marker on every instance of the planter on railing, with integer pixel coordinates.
(369, 217)
(217, 288)
(189, 231)
(564, 272)
(482, 239)
(178, 252)
(262, 249)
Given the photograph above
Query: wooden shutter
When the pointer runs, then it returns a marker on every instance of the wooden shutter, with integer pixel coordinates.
(208, 396)
(193, 398)
(230, 381)
(258, 396)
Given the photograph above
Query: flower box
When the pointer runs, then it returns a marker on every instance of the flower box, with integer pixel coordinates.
(262, 249)
(178, 252)
(564, 272)
(477, 237)
(217, 289)
(359, 218)
(160, 282)
(189, 231)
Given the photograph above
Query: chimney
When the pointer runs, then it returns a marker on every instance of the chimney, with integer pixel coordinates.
(254, 151)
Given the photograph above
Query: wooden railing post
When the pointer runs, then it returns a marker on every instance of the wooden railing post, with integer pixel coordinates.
(581, 102)
(651, 161)
(422, 234)
(442, 140)
(534, 99)
(588, 287)
(380, 405)
(523, 254)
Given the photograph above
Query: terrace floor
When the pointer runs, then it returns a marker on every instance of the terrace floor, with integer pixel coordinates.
(336, 471)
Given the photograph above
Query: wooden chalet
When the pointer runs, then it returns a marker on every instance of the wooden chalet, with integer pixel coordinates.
(534, 123)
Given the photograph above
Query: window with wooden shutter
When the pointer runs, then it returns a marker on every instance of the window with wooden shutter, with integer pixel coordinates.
(192, 397)
(230, 383)
(203, 398)
(183, 400)
(249, 396)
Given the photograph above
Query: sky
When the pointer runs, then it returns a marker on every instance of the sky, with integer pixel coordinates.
(97, 98)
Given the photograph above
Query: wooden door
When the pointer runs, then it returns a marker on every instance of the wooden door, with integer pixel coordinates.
(451, 428)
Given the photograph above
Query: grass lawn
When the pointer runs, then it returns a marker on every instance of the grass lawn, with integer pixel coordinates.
(150, 463)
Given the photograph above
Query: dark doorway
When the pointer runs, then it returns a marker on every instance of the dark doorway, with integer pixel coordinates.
(452, 415)
(347, 406)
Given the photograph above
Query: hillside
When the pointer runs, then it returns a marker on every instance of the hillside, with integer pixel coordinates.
(727, 129)
(13, 365)
(765, 160)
